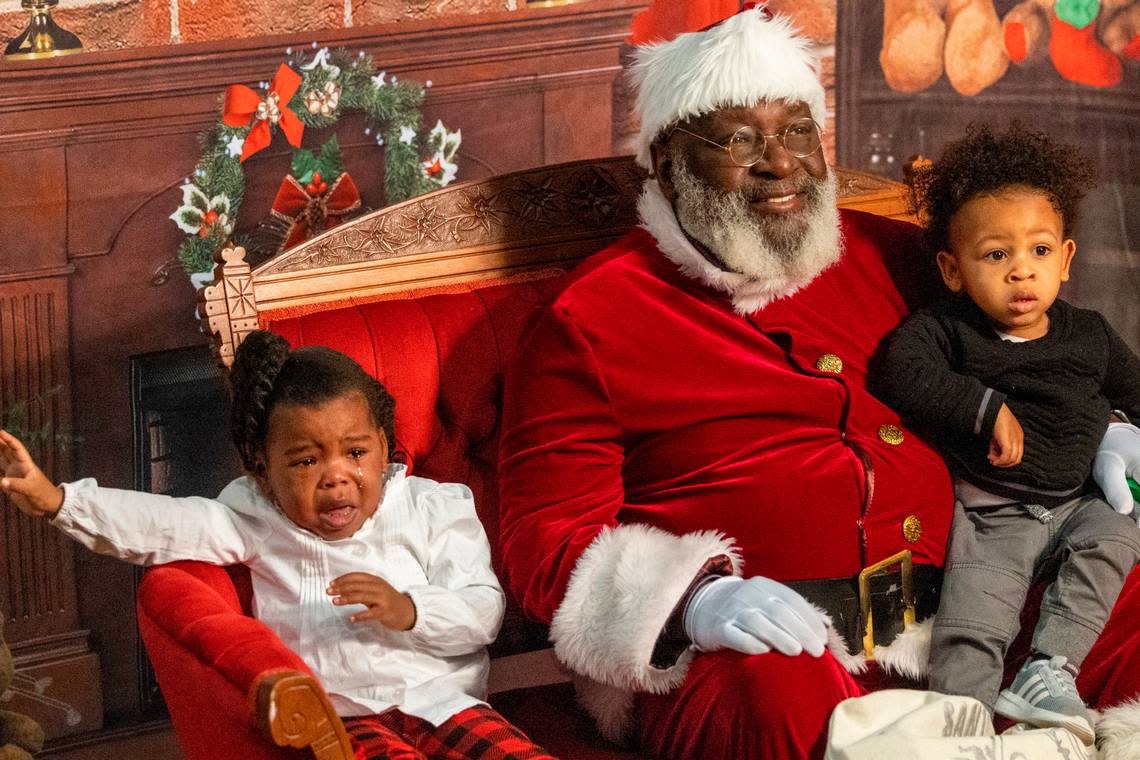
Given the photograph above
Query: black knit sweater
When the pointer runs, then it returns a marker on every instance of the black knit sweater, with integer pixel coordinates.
(948, 373)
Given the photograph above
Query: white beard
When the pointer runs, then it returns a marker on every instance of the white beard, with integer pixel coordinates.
(780, 252)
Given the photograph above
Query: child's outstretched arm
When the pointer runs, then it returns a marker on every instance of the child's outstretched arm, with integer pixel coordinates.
(141, 528)
(24, 482)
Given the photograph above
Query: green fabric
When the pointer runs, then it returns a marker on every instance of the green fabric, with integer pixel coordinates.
(1077, 13)
(1135, 488)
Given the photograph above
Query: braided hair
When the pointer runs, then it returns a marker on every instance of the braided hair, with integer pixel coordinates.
(984, 163)
(266, 372)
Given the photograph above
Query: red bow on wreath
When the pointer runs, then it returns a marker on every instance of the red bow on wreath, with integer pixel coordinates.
(243, 105)
(307, 210)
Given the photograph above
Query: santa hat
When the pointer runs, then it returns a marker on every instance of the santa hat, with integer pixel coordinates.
(749, 57)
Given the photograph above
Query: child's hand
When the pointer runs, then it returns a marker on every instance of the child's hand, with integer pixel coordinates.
(385, 604)
(25, 483)
(1008, 442)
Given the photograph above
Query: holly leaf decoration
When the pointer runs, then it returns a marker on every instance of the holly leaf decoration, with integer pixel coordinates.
(329, 164)
(197, 199)
(188, 219)
(304, 164)
(194, 206)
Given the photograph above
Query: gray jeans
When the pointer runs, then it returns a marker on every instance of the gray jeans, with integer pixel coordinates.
(995, 554)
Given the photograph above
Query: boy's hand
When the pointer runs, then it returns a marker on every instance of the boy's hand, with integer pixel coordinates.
(1008, 442)
(25, 484)
(385, 604)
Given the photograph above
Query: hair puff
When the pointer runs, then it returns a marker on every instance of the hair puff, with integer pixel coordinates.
(985, 163)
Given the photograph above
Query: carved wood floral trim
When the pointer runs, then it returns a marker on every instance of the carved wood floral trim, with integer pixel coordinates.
(532, 206)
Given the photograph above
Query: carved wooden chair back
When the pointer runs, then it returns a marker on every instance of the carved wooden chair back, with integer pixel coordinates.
(551, 216)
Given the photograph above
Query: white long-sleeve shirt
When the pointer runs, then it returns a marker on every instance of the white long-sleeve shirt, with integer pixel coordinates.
(425, 539)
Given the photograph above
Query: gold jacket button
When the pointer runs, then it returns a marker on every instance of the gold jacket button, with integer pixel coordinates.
(890, 434)
(912, 528)
(829, 363)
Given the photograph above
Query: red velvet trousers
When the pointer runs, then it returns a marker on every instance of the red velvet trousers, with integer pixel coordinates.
(773, 707)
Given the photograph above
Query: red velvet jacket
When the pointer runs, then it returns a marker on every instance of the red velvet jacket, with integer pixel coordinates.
(641, 398)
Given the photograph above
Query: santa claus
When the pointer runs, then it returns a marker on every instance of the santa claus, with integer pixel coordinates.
(696, 483)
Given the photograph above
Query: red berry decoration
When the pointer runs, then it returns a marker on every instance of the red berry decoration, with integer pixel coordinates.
(316, 187)
(208, 220)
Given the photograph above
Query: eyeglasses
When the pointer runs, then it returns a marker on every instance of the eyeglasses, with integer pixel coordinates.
(748, 145)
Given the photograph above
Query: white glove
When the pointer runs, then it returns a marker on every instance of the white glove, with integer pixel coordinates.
(1117, 458)
(753, 616)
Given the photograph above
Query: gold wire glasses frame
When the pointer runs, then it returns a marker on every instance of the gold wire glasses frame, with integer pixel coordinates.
(747, 145)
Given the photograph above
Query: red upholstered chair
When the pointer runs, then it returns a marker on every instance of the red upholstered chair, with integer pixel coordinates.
(430, 296)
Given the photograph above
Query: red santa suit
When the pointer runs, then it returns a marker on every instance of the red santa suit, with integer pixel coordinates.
(660, 415)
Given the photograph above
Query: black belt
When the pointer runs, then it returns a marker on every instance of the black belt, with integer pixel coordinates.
(841, 599)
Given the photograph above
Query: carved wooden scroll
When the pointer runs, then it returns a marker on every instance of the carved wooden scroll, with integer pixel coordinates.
(228, 308)
(293, 710)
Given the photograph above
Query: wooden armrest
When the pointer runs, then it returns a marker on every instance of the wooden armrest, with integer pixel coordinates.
(294, 711)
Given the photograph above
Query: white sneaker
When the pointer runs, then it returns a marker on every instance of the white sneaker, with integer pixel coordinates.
(1044, 693)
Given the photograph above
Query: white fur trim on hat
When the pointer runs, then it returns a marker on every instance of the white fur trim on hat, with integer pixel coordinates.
(747, 58)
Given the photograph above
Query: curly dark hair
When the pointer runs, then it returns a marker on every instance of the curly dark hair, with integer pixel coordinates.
(985, 163)
(266, 372)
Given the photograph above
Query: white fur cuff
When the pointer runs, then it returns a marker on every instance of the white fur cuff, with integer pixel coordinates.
(622, 591)
(1118, 732)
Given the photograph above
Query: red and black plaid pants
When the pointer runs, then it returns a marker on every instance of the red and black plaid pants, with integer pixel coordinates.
(477, 733)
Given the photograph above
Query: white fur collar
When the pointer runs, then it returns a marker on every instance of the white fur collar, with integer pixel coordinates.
(748, 295)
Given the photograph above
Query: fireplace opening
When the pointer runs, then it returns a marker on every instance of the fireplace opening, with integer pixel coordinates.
(181, 445)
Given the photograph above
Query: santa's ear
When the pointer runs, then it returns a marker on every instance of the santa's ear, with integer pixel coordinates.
(661, 159)
(951, 274)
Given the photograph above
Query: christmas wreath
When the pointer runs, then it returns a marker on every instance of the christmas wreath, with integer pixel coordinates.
(318, 192)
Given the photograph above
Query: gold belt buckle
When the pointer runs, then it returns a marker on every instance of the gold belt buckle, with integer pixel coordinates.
(903, 559)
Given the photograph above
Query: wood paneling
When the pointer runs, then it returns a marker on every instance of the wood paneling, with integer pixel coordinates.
(37, 593)
(93, 148)
(57, 679)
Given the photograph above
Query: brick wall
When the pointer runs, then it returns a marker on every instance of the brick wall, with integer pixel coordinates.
(114, 24)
